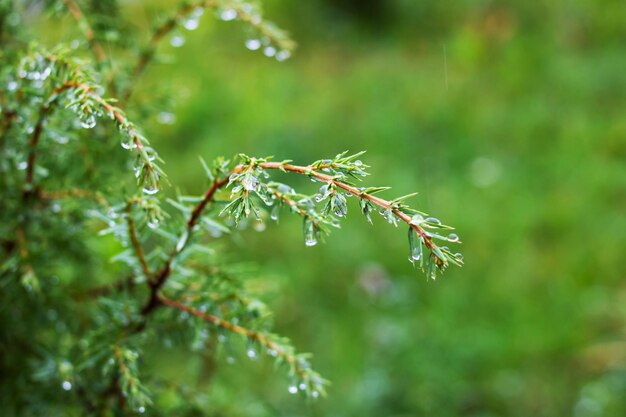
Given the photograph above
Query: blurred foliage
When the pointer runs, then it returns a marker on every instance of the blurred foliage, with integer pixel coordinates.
(509, 118)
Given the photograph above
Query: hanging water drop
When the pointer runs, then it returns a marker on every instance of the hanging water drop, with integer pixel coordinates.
(177, 41)
(310, 241)
(259, 225)
(141, 409)
(89, 122)
(458, 256)
(253, 44)
(228, 14)
(275, 212)
(153, 224)
(292, 389)
(453, 237)
(22, 165)
(150, 190)
(182, 241)
(191, 23)
(269, 51)
(283, 55)
(315, 394)
(417, 219)
(66, 385)
(250, 182)
(128, 145)
(433, 220)
(166, 118)
(12, 85)
(251, 353)
(302, 386)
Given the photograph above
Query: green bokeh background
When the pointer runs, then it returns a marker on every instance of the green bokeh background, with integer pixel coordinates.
(508, 118)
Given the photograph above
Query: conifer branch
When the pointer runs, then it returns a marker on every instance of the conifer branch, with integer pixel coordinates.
(312, 171)
(243, 11)
(72, 193)
(88, 32)
(308, 380)
(132, 233)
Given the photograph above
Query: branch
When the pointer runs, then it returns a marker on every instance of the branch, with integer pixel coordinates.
(150, 173)
(88, 32)
(132, 233)
(243, 12)
(160, 278)
(44, 112)
(159, 33)
(313, 172)
(299, 366)
(74, 192)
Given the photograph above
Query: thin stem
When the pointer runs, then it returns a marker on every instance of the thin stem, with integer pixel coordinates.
(74, 192)
(258, 337)
(87, 30)
(163, 274)
(157, 36)
(243, 14)
(159, 279)
(310, 171)
(135, 240)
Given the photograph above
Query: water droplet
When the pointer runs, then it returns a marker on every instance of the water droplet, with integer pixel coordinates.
(302, 386)
(250, 182)
(228, 14)
(459, 256)
(417, 219)
(141, 409)
(177, 41)
(150, 190)
(45, 74)
(310, 241)
(251, 353)
(191, 23)
(166, 118)
(275, 212)
(259, 225)
(453, 237)
(22, 165)
(292, 389)
(315, 394)
(283, 55)
(67, 385)
(153, 224)
(128, 145)
(61, 140)
(230, 360)
(55, 208)
(251, 44)
(89, 122)
(12, 85)
(269, 51)
(433, 220)
(199, 11)
(182, 241)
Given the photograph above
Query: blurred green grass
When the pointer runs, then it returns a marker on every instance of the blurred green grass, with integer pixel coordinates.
(509, 120)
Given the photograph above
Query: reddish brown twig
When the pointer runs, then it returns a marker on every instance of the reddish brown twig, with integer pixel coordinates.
(132, 233)
(252, 335)
(162, 275)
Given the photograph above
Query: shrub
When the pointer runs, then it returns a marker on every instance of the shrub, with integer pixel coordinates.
(71, 200)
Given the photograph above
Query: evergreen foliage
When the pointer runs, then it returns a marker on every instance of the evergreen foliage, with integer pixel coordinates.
(74, 326)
